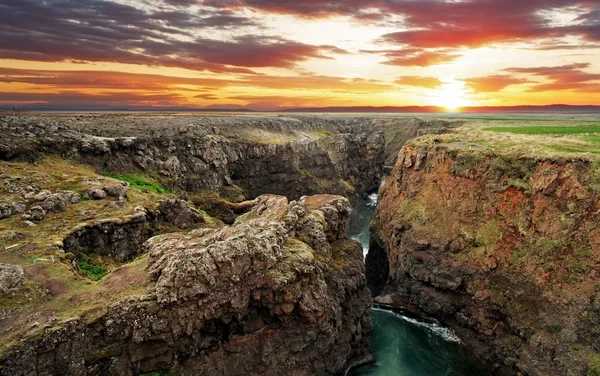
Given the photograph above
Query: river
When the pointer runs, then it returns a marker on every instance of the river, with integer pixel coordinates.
(405, 345)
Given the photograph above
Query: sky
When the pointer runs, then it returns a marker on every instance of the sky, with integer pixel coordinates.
(276, 54)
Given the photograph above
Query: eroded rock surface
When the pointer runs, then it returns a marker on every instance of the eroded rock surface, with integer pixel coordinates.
(280, 292)
(276, 155)
(11, 276)
(505, 250)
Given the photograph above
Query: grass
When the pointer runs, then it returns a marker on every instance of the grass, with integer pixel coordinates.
(547, 130)
(164, 372)
(94, 272)
(594, 365)
(142, 182)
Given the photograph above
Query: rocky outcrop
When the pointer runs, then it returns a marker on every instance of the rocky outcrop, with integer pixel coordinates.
(281, 291)
(288, 156)
(178, 213)
(122, 238)
(11, 276)
(398, 131)
(118, 238)
(505, 250)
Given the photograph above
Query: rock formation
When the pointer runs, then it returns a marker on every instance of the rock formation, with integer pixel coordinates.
(287, 156)
(280, 292)
(505, 250)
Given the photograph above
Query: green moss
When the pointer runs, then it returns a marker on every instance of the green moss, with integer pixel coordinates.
(594, 365)
(164, 372)
(142, 182)
(413, 211)
(466, 162)
(512, 168)
(488, 235)
(94, 272)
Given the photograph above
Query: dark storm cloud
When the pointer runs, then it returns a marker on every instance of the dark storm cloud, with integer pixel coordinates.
(97, 30)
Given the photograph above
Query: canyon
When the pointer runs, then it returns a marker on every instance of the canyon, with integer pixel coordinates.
(218, 245)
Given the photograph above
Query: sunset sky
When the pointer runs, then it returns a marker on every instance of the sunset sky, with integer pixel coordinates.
(269, 54)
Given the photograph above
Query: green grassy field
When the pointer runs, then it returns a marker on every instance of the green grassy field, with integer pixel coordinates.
(548, 130)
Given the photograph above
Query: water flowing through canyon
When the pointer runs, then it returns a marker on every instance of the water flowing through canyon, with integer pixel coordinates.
(403, 344)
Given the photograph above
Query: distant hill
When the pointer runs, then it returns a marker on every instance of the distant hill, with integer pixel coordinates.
(555, 108)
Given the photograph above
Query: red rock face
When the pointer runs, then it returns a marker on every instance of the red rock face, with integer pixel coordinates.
(504, 250)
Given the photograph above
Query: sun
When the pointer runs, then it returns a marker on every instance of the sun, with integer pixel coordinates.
(451, 95)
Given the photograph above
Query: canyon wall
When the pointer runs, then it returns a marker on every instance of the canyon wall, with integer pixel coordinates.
(280, 292)
(278, 155)
(504, 250)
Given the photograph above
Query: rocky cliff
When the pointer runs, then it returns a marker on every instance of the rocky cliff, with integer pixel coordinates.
(504, 249)
(278, 155)
(280, 292)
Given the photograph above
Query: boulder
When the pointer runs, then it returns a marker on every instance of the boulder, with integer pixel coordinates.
(11, 276)
(57, 202)
(117, 190)
(36, 213)
(97, 193)
(8, 209)
(177, 212)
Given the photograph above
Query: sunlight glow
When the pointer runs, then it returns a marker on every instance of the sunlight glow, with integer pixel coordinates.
(451, 95)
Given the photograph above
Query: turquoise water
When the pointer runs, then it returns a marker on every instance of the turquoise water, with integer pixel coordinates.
(359, 229)
(409, 347)
(405, 345)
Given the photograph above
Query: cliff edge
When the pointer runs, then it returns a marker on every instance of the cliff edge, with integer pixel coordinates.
(503, 248)
(281, 291)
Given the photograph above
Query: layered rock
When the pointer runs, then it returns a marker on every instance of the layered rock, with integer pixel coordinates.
(288, 156)
(504, 250)
(281, 291)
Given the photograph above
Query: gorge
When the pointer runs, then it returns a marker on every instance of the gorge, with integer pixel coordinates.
(185, 244)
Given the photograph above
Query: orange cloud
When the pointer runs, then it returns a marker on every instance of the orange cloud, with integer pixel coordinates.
(493, 83)
(426, 82)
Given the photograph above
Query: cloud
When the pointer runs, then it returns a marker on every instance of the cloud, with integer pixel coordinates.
(105, 80)
(415, 57)
(55, 79)
(441, 23)
(96, 30)
(562, 77)
(493, 83)
(76, 98)
(426, 82)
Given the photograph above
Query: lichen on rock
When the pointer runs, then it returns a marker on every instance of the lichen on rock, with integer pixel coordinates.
(280, 291)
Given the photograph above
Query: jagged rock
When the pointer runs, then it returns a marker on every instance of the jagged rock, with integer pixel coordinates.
(208, 153)
(42, 195)
(253, 298)
(178, 213)
(118, 190)
(173, 165)
(119, 238)
(36, 213)
(8, 209)
(11, 276)
(97, 193)
(57, 202)
(499, 253)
